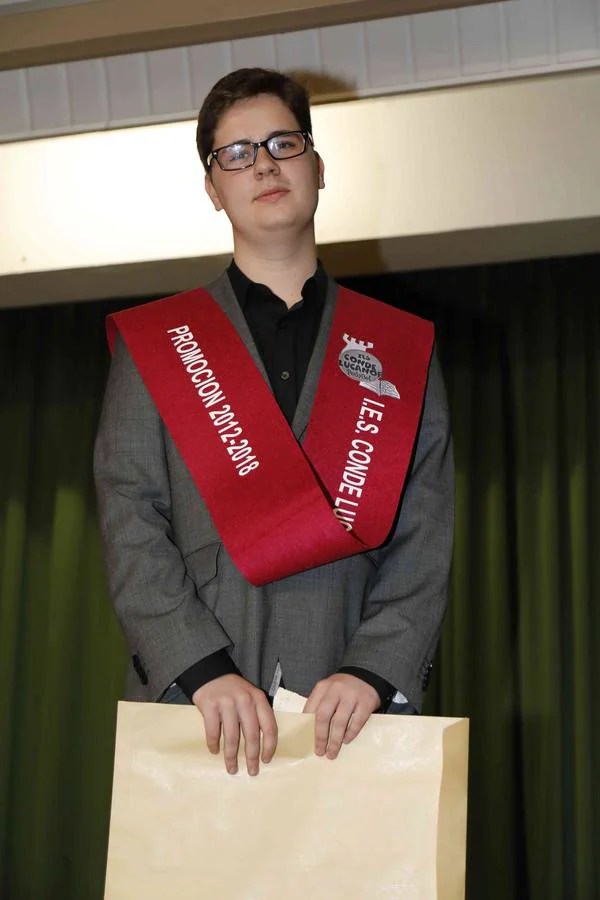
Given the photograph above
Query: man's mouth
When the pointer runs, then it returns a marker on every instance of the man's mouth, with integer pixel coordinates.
(271, 194)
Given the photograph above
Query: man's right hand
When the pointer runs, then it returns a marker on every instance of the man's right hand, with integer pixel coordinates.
(229, 703)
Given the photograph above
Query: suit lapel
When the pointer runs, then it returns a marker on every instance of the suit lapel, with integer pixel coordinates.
(223, 293)
(309, 388)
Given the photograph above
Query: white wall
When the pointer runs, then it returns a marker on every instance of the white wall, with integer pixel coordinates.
(464, 175)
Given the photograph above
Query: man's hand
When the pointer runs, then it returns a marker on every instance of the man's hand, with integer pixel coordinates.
(229, 703)
(341, 704)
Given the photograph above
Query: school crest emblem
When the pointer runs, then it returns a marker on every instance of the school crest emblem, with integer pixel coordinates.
(357, 363)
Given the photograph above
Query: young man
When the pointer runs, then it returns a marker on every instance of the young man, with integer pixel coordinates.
(234, 564)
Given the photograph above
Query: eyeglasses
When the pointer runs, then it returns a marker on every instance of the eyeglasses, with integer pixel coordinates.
(242, 154)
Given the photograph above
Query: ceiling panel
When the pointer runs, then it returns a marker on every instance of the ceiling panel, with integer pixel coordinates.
(530, 33)
(88, 93)
(128, 87)
(207, 63)
(254, 51)
(577, 29)
(49, 103)
(15, 116)
(389, 53)
(344, 58)
(299, 50)
(436, 49)
(169, 83)
(481, 40)
(365, 59)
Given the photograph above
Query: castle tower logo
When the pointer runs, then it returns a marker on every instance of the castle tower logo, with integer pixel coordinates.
(357, 363)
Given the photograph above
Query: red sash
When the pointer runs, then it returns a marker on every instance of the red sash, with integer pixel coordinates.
(281, 508)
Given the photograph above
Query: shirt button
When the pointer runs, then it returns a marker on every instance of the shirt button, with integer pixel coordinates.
(284, 375)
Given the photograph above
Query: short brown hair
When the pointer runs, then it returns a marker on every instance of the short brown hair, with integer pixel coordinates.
(243, 84)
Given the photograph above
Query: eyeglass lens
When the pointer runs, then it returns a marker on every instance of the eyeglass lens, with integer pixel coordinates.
(243, 153)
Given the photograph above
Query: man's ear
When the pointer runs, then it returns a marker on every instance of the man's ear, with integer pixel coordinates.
(320, 171)
(212, 192)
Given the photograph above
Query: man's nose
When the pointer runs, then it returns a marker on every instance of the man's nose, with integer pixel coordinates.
(265, 164)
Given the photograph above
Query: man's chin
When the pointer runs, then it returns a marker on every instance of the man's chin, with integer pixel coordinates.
(287, 223)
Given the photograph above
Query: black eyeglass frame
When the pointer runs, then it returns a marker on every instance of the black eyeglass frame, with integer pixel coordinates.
(256, 145)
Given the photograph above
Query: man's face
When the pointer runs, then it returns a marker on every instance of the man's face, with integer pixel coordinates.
(271, 196)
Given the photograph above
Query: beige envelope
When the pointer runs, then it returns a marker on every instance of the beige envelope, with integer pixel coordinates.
(386, 820)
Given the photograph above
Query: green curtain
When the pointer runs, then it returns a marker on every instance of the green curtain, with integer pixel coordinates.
(520, 346)
(61, 658)
(520, 652)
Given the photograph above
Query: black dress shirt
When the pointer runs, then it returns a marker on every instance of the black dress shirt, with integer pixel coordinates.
(285, 339)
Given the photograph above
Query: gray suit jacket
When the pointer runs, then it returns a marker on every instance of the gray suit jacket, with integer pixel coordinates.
(179, 597)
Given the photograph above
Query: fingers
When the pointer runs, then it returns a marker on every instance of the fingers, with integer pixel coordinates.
(231, 706)
(341, 704)
(248, 719)
(268, 727)
(359, 719)
(330, 727)
(231, 735)
(257, 718)
(212, 728)
(316, 695)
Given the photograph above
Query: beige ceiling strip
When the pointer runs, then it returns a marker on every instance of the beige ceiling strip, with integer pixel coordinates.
(59, 31)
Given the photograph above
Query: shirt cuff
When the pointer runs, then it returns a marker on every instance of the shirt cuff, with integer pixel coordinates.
(385, 690)
(207, 669)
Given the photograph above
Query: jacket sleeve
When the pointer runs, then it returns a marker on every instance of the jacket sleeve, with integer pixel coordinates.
(167, 627)
(406, 596)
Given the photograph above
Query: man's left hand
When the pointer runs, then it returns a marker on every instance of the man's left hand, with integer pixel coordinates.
(341, 705)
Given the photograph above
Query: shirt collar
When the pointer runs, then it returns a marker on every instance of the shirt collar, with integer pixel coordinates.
(314, 290)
